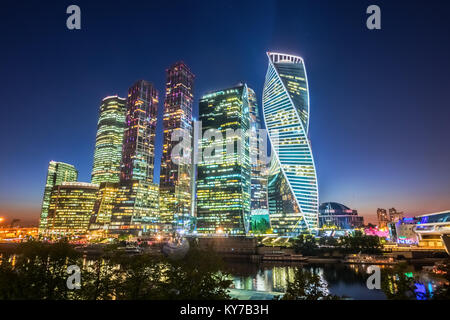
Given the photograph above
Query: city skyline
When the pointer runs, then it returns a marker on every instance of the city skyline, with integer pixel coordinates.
(366, 167)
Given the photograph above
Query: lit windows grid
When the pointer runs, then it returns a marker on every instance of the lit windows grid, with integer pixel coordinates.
(285, 122)
(223, 184)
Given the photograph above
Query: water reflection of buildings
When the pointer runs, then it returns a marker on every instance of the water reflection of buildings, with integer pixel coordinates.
(272, 278)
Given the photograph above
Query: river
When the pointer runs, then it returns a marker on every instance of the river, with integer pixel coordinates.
(264, 280)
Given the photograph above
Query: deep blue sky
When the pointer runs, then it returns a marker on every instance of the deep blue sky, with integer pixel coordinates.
(379, 99)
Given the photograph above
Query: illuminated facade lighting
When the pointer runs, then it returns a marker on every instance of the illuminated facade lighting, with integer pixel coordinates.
(104, 205)
(223, 184)
(259, 168)
(136, 207)
(292, 184)
(71, 207)
(109, 140)
(57, 173)
(138, 151)
(175, 176)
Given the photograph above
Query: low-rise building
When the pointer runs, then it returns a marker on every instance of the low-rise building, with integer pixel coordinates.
(338, 216)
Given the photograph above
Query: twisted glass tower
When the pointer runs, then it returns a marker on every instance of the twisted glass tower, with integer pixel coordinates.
(292, 185)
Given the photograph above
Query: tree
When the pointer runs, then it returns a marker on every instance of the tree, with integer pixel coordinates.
(198, 276)
(100, 280)
(39, 272)
(360, 243)
(305, 244)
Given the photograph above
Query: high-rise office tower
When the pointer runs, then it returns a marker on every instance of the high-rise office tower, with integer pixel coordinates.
(176, 167)
(136, 205)
(58, 172)
(292, 185)
(223, 184)
(258, 206)
(71, 207)
(109, 140)
(138, 152)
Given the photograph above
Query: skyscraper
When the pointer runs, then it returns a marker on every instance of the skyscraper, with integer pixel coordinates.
(71, 207)
(109, 140)
(138, 153)
(292, 185)
(176, 170)
(223, 184)
(136, 205)
(57, 173)
(259, 171)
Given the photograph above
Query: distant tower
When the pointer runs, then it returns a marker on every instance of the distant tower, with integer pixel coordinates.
(175, 175)
(292, 185)
(223, 183)
(138, 153)
(58, 172)
(109, 140)
(383, 218)
(394, 215)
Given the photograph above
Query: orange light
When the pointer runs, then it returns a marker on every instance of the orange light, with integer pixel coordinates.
(2, 219)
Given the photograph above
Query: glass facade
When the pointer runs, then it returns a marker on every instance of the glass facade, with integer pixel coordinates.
(138, 153)
(223, 183)
(336, 215)
(58, 172)
(443, 217)
(104, 205)
(136, 207)
(259, 167)
(109, 140)
(292, 185)
(176, 170)
(71, 207)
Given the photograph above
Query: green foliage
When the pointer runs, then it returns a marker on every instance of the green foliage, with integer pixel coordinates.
(40, 272)
(305, 244)
(198, 276)
(307, 286)
(328, 241)
(360, 243)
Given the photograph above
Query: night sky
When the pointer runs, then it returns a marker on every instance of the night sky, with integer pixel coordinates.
(380, 106)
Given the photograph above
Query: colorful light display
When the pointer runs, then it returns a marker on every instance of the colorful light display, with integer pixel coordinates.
(292, 187)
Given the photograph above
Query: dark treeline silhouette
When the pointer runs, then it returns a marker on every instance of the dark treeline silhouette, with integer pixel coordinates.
(358, 243)
(39, 271)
